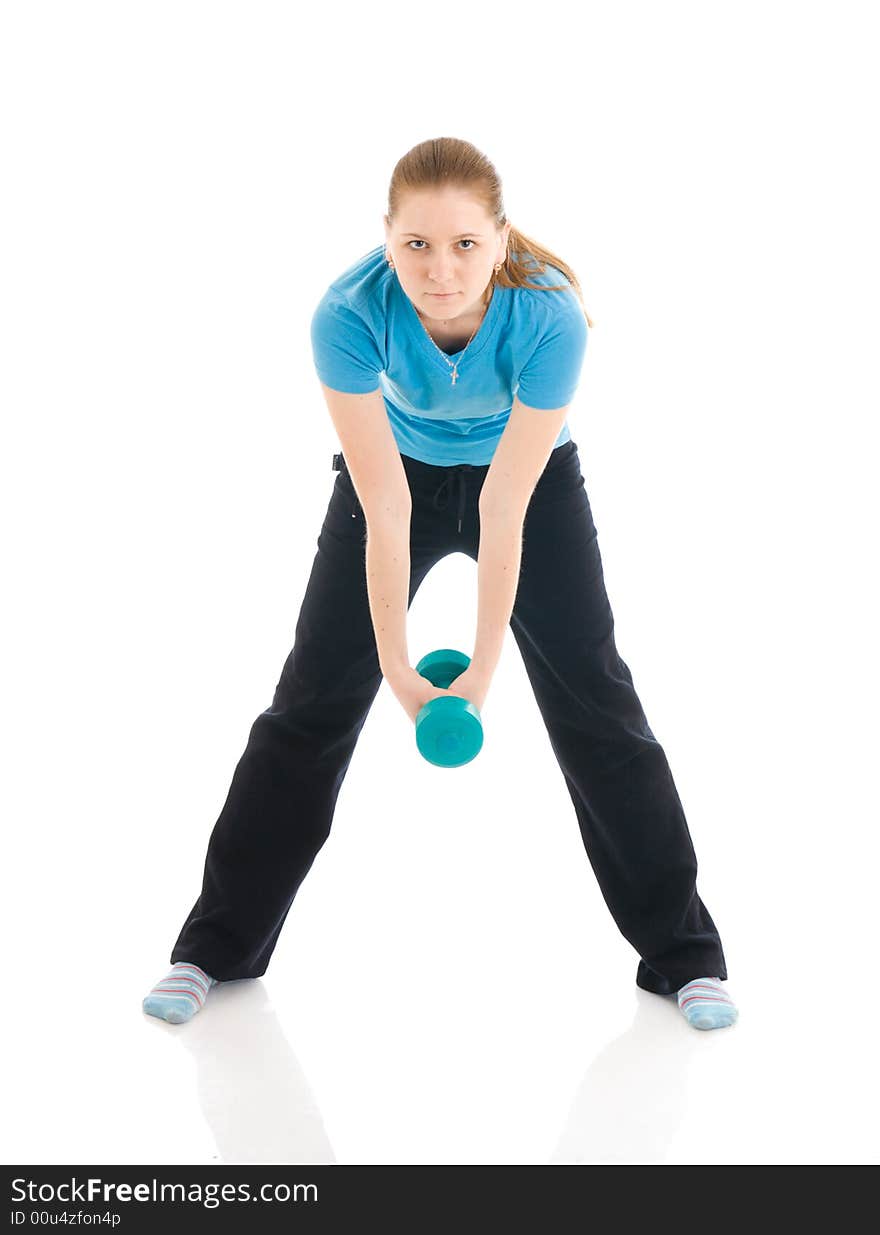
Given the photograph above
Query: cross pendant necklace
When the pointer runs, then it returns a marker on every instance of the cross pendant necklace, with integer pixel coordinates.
(454, 366)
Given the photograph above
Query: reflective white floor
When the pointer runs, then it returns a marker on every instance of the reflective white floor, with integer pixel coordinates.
(400, 1071)
(448, 988)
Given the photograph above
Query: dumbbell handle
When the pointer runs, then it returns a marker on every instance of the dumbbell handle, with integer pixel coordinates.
(443, 666)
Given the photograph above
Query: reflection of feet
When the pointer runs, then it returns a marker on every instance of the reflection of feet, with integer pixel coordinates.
(180, 994)
(706, 1004)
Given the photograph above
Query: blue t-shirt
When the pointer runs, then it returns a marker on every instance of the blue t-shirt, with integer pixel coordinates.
(366, 334)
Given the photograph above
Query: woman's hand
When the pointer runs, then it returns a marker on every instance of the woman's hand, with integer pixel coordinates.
(472, 684)
(413, 691)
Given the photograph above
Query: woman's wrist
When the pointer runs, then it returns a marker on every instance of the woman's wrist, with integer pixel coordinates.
(397, 671)
(482, 669)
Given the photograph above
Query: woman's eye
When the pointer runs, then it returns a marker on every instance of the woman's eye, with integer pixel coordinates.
(464, 241)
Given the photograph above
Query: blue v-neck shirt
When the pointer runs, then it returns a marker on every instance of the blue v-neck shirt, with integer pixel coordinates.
(366, 334)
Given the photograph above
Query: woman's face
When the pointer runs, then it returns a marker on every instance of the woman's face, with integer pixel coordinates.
(443, 241)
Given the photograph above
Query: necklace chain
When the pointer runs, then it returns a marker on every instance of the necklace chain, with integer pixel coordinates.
(454, 364)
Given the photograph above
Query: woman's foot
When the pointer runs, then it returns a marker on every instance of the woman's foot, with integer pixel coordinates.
(706, 1004)
(180, 994)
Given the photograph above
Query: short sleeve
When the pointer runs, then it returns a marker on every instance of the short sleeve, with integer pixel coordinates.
(550, 376)
(345, 353)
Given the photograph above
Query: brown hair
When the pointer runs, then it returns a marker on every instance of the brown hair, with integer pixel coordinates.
(450, 161)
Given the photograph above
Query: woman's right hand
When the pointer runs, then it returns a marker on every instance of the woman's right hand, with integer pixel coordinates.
(413, 691)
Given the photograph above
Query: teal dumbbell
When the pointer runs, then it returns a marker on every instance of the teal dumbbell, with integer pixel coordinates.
(449, 731)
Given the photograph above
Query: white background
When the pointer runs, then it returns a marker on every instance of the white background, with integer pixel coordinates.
(181, 182)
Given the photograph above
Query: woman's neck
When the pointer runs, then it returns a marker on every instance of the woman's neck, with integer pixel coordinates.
(463, 324)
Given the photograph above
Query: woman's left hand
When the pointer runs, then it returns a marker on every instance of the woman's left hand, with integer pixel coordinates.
(472, 684)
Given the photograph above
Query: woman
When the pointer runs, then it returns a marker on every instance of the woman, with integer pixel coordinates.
(447, 358)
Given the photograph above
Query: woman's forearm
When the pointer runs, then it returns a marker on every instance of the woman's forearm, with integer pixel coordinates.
(388, 578)
(498, 567)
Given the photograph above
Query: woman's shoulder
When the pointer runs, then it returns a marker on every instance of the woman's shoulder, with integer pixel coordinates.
(541, 296)
(540, 311)
(362, 285)
(347, 329)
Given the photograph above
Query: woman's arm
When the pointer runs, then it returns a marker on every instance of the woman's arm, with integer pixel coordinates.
(388, 578)
(377, 473)
(498, 566)
(520, 457)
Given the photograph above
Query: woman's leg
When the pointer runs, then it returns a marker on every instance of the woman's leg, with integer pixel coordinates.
(630, 816)
(283, 794)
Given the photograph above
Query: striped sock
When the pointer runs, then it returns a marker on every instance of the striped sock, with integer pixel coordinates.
(180, 994)
(706, 1004)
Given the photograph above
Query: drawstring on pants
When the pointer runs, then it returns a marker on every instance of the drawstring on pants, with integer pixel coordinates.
(454, 474)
